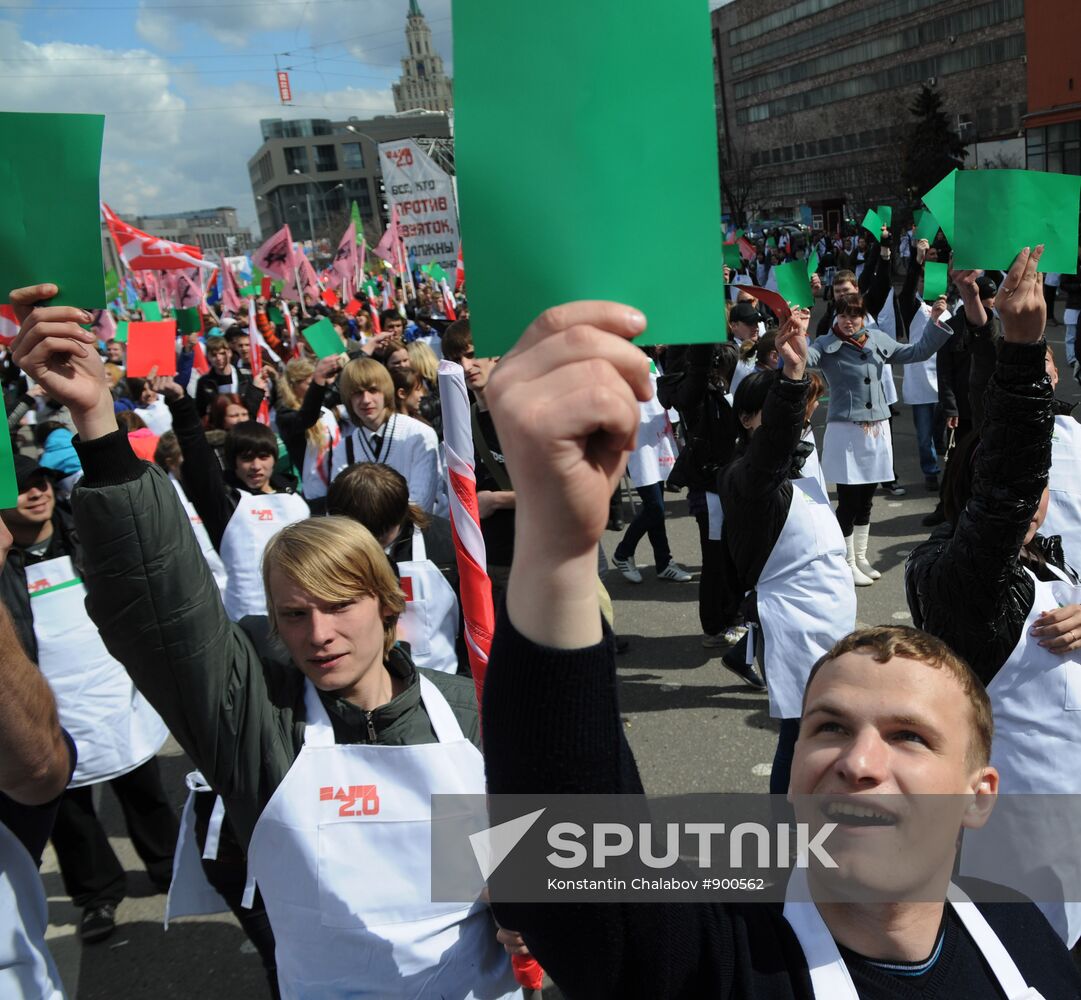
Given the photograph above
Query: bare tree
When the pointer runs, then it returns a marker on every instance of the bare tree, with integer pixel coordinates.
(739, 179)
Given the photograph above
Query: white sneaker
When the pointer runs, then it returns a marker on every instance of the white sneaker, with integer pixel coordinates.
(673, 571)
(628, 569)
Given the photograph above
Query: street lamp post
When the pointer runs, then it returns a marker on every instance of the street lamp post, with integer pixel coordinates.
(308, 198)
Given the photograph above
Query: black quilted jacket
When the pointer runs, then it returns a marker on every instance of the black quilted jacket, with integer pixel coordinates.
(966, 584)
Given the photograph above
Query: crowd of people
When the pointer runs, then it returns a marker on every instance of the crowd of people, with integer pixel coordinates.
(254, 556)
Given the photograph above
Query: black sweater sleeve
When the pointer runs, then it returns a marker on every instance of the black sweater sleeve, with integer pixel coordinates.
(907, 300)
(293, 425)
(878, 288)
(765, 464)
(552, 726)
(214, 501)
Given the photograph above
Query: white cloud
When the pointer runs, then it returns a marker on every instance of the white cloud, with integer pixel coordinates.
(164, 150)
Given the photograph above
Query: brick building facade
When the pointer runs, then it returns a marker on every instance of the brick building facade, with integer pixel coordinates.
(812, 96)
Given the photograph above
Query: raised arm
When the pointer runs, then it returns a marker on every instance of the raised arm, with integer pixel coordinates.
(565, 404)
(907, 299)
(149, 591)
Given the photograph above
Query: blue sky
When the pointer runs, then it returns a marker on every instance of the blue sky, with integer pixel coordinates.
(184, 85)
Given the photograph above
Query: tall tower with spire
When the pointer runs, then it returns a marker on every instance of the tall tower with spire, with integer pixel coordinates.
(423, 84)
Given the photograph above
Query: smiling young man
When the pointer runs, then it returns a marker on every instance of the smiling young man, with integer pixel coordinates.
(889, 714)
(325, 746)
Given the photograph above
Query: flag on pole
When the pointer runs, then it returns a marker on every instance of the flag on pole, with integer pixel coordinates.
(277, 256)
(141, 251)
(387, 248)
(258, 345)
(230, 291)
(459, 274)
(303, 274)
(358, 225)
(345, 260)
(189, 289)
(746, 248)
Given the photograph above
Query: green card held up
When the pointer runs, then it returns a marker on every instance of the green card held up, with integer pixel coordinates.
(940, 201)
(999, 212)
(50, 206)
(873, 224)
(812, 264)
(274, 314)
(323, 339)
(550, 211)
(885, 213)
(151, 311)
(732, 257)
(121, 335)
(794, 284)
(150, 346)
(935, 277)
(9, 487)
(112, 285)
(188, 320)
(927, 227)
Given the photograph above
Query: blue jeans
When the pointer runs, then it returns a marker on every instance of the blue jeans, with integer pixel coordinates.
(1071, 342)
(649, 520)
(923, 416)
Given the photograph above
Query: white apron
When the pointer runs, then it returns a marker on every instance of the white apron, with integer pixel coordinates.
(430, 622)
(257, 519)
(921, 377)
(857, 454)
(1036, 701)
(318, 462)
(805, 596)
(812, 467)
(157, 416)
(190, 894)
(206, 546)
(113, 725)
(655, 455)
(739, 373)
(27, 969)
(715, 513)
(830, 978)
(342, 856)
(1064, 503)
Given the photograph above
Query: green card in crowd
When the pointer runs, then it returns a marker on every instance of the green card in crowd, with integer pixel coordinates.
(323, 338)
(998, 212)
(732, 257)
(9, 488)
(873, 224)
(50, 206)
(121, 335)
(188, 320)
(926, 227)
(794, 284)
(151, 311)
(935, 276)
(812, 264)
(553, 206)
(940, 201)
(885, 213)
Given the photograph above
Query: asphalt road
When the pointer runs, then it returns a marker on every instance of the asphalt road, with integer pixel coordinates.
(693, 727)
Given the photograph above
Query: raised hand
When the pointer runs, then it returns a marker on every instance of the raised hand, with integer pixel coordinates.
(326, 369)
(791, 344)
(1020, 302)
(167, 386)
(565, 404)
(922, 246)
(57, 353)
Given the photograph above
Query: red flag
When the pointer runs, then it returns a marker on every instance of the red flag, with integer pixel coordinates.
(459, 274)
(746, 248)
(448, 299)
(9, 325)
(277, 256)
(141, 251)
(258, 345)
(201, 364)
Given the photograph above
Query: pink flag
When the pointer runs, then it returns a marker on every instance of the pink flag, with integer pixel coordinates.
(230, 293)
(189, 289)
(389, 244)
(309, 282)
(277, 256)
(141, 251)
(103, 325)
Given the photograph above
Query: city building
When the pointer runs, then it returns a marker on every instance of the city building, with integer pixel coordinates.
(812, 96)
(211, 229)
(1053, 122)
(423, 84)
(307, 172)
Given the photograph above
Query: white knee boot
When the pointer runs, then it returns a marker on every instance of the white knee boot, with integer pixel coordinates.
(860, 535)
(859, 578)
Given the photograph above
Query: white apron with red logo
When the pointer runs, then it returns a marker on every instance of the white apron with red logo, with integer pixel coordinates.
(113, 726)
(318, 461)
(805, 596)
(1036, 702)
(655, 455)
(830, 978)
(430, 622)
(921, 377)
(206, 546)
(342, 857)
(27, 969)
(257, 519)
(1064, 500)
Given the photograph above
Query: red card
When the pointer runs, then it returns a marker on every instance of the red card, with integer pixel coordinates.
(406, 583)
(330, 297)
(355, 305)
(151, 344)
(266, 287)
